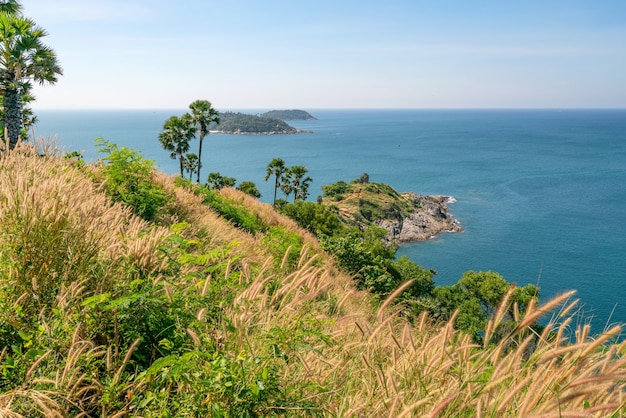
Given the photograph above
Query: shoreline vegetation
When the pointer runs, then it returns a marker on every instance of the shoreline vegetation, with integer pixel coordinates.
(127, 292)
(269, 123)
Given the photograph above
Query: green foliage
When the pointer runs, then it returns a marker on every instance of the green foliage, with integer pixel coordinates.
(191, 163)
(202, 116)
(364, 179)
(292, 114)
(316, 218)
(477, 295)
(366, 260)
(335, 189)
(212, 384)
(231, 122)
(423, 279)
(175, 137)
(280, 241)
(129, 179)
(294, 181)
(236, 212)
(276, 168)
(250, 188)
(217, 182)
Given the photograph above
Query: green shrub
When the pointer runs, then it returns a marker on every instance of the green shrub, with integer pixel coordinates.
(314, 217)
(278, 240)
(235, 212)
(129, 180)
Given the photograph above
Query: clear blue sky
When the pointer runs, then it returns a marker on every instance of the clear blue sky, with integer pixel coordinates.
(335, 53)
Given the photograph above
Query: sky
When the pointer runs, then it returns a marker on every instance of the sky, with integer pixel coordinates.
(279, 54)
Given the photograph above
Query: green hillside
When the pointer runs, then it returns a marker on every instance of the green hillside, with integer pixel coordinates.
(126, 292)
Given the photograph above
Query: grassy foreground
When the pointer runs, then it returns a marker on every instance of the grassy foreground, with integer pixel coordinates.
(104, 313)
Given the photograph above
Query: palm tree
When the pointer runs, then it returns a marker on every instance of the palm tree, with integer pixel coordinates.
(276, 168)
(295, 182)
(203, 114)
(11, 6)
(175, 137)
(190, 164)
(23, 58)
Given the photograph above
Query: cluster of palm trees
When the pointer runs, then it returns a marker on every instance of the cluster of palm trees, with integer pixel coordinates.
(291, 180)
(24, 59)
(178, 132)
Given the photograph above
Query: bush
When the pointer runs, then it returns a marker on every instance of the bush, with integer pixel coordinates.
(235, 212)
(314, 217)
(335, 189)
(129, 180)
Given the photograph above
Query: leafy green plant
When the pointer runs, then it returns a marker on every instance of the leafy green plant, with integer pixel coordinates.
(129, 179)
(235, 212)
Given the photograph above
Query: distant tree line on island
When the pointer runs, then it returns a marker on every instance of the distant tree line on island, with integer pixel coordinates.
(237, 122)
(292, 114)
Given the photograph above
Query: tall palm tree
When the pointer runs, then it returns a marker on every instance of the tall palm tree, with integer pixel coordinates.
(23, 58)
(203, 114)
(299, 182)
(276, 168)
(175, 137)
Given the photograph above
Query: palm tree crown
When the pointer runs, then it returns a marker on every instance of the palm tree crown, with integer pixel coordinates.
(175, 137)
(203, 114)
(23, 58)
(276, 168)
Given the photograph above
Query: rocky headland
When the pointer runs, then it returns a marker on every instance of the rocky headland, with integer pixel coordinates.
(429, 218)
(407, 217)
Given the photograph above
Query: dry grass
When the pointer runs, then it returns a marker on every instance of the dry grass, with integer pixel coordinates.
(346, 357)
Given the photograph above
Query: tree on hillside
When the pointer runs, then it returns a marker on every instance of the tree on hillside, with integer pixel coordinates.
(175, 137)
(277, 169)
(250, 188)
(23, 58)
(191, 163)
(476, 296)
(202, 114)
(294, 181)
(217, 182)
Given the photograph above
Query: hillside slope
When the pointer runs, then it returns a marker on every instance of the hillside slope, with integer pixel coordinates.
(190, 314)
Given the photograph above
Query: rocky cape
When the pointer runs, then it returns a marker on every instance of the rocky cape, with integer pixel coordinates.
(429, 219)
(406, 216)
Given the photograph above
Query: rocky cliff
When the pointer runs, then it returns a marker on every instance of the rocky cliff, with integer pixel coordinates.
(429, 218)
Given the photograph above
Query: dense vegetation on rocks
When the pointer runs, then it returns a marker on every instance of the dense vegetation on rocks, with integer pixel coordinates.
(243, 123)
(292, 114)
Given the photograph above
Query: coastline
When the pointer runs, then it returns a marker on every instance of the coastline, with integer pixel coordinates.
(239, 132)
(430, 218)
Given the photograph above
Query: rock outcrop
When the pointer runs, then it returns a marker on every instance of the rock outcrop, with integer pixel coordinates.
(429, 219)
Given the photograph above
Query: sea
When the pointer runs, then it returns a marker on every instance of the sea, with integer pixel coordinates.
(541, 194)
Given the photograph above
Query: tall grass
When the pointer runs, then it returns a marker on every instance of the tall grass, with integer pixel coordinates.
(105, 314)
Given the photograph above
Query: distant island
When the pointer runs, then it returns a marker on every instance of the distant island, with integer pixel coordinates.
(238, 123)
(292, 114)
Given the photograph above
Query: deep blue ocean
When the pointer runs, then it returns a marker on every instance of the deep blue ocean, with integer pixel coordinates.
(541, 193)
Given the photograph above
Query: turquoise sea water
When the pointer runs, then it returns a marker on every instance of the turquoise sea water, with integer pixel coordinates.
(541, 193)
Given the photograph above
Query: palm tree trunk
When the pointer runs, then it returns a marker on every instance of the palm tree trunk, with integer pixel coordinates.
(180, 158)
(12, 116)
(200, 157)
